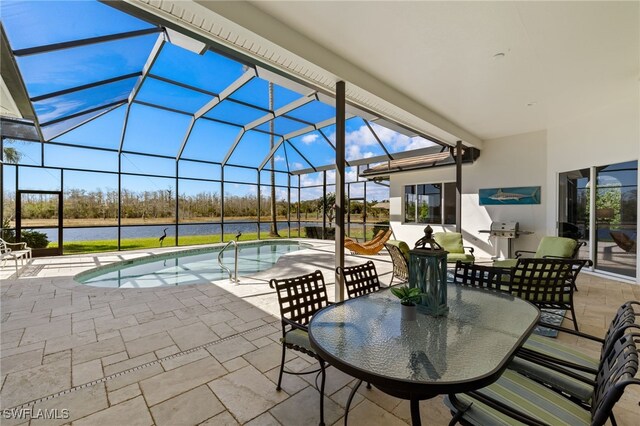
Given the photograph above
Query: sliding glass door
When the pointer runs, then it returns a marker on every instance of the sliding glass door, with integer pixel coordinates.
(606, 217)
(616, 208)
(573, 211)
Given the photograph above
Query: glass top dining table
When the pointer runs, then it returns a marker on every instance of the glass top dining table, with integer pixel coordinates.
(465, 350)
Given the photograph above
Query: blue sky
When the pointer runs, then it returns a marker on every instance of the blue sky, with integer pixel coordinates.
(157, 131)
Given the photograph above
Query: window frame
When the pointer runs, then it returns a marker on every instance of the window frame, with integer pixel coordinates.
(416, 193)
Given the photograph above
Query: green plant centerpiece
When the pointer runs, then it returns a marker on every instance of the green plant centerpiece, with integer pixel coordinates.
(408, 299)
(408, 296)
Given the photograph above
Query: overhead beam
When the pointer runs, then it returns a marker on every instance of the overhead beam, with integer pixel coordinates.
(237, 84)
(85, 86)
(82, 123)
(302, 156)
(146, 69)
(233, 147)
(83, 112)
(384, 148)
(271, 154)
(268, 28)
(15, 84)
(231, 89)
(179, 84)
(84, 42)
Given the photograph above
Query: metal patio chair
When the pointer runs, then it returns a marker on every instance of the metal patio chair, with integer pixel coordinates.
(479, 276)
(360, 279)
(548, 283)
(514, 398)
(299, 299)
(568, 369)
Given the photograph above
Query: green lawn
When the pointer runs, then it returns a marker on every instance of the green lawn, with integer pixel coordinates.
(97, 246)
(77, 247)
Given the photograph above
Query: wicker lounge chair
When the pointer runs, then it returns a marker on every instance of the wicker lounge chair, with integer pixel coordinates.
(369, 248)
(399, 251)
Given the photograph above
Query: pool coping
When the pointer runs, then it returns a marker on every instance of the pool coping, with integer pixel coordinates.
(111, 267)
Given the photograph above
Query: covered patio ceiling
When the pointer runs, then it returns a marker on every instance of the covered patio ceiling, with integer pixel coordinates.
(115, 82)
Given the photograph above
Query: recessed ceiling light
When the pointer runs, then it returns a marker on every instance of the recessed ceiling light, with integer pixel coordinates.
(499, 55)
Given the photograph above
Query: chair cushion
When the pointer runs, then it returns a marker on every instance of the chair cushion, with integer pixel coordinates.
(527, 396)
(556, 246)
(298, 338)
(549, 347)
(562, 382)
(404, 247)
(450, 241)
(505, 263)
(462, 257)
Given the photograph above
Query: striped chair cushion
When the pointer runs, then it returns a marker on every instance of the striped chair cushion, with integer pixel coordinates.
(550, 347)
(526, 396)
(562, 382)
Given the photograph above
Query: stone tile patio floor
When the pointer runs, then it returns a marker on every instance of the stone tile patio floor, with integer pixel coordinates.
(197, 354)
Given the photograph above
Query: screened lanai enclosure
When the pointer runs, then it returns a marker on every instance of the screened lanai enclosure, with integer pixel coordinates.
(137, 131)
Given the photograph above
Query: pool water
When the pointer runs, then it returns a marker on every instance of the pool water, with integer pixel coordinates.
(197, 266)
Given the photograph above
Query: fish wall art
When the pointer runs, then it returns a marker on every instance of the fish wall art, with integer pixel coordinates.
(508, 196)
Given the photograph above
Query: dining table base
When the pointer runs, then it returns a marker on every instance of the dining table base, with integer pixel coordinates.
(414, 401)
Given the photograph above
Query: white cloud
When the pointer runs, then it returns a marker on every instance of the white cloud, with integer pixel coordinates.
(310, 138)
(278, 158)
(397, 142)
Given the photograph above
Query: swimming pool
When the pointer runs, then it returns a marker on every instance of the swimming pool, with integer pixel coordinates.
(196, 266)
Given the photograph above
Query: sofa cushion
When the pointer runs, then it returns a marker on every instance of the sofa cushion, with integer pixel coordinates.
(450, 241)
(556, 247)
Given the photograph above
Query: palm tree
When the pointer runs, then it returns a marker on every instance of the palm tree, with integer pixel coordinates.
(273, 232)
(11, 155)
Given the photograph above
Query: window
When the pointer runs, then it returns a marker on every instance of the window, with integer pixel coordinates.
(430, 203)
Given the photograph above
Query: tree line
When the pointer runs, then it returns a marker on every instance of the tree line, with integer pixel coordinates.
(159, 204)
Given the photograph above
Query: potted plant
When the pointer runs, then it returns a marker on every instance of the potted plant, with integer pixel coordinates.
(408, 299)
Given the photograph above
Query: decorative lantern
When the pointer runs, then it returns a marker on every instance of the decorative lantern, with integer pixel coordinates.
(428, 272)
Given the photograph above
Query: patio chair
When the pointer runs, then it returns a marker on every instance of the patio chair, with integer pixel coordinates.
(514, 398)
(479, 276)
(452, 242)
(360, 279)
(548, 283)
(368, 248)
(549, 247)
(623, 241)
(14, 251)
(399, 252)
(567, 369)
(299, 299)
